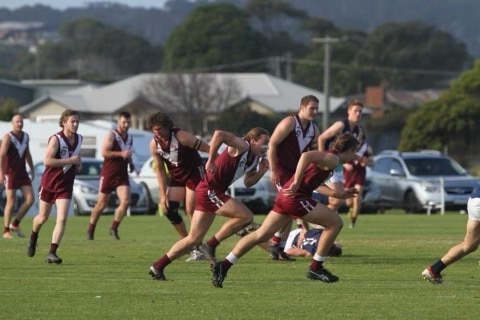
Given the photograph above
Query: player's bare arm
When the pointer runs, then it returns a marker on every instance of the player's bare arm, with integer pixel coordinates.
(50, 161)
(29, 160)
(3, 152)
(189, 140)
(252, 177)
(281, 131)
(235, 145)
(314, 144)
(332, 131)
(107, 145)
(159, 168)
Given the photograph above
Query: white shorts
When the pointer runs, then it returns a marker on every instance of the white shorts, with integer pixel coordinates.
(337, 176)
(473, 208)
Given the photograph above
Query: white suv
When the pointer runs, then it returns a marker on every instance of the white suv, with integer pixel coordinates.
(414, 180)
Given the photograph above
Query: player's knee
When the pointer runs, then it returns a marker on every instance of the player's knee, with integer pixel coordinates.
(100, 205)
(335, 201)
(40, 219)
(124, 203)
(246, 218)
(471, 247)
(337, 224)
(172, 213)
(29, 200)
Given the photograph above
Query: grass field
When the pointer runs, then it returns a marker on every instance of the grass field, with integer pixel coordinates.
(106, 279)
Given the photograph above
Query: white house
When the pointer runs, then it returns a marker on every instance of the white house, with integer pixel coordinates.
(92, 132)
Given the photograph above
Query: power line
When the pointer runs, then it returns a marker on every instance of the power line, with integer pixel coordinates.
(383, 69)
(264, 62)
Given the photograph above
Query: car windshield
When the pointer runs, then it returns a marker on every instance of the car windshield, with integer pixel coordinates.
(434, 167)
(91, 169)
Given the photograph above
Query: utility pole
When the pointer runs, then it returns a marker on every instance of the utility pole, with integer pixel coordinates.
(327, 44)
(288, 67)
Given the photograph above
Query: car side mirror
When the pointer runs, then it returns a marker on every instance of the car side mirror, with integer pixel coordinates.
(396, 173)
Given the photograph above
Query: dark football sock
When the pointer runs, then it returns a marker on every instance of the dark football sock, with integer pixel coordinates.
(161, 263)
(438, 266)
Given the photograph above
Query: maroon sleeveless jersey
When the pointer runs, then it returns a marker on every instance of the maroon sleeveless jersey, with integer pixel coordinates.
(228, 170)
(300, 203)
(14, 162)
(117, 166)
(181, 161)
(60, 179)
(210, 192)
(292, 147)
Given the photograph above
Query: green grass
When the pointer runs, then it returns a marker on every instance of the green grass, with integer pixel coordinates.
(106, 279)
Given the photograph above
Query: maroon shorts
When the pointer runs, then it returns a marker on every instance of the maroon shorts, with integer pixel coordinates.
(17, 182)
(293, 206)
(354, 177)
(50, 197)
(191, 182)
(109, 184)
(209, 200)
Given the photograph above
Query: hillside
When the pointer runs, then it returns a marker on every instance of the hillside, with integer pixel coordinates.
(458, 17)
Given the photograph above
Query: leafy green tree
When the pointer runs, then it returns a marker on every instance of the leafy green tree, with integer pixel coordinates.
(8, 108)
(279, 22)
(346, 76)
(90, 50)
(402, 54)
(241, 119)
(212, 35)
(451, 122)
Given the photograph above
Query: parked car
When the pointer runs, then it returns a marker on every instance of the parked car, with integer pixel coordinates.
(147, 179)
(85, 189)
(258, 198)
(421, 181)
(3, 200)
(371, 198)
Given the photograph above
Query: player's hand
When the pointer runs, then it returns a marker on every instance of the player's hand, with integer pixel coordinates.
(210, 166)
(291, 189)
(275, 179)
(75, 160)
(263, 165)
(363, 161)
(126, 154)
(349, 193)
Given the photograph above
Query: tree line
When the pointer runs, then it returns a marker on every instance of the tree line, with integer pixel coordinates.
(272, 36)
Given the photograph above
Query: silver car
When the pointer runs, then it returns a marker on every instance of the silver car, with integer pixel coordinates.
(258, 198)
(85, 189)
(421, 181)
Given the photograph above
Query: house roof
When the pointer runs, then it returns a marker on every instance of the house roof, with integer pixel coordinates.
(273, 93)
(15, 84)
(411, 99)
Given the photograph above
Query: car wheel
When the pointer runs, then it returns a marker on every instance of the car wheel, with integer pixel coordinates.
(152, 207)
(76, 208)
(411, 203)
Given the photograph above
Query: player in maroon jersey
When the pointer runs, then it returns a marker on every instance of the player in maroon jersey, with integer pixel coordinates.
(291, 137)
(177, 150)
(62, 161)
(117, 154)
(295, 201)
(14, 155)
(350, 124)
(242, 157)
(355, 174)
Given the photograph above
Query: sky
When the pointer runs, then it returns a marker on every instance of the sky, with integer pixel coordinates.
(62, 4)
